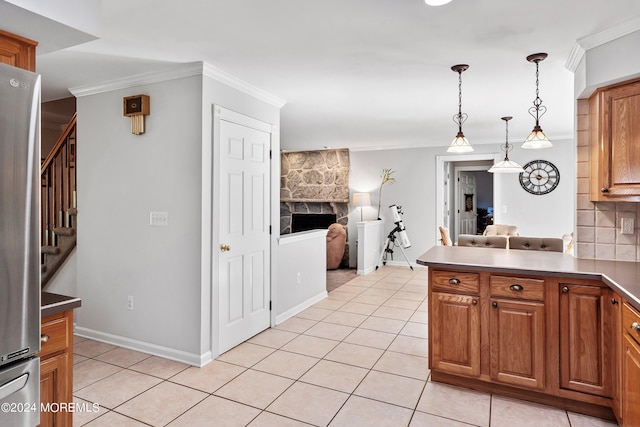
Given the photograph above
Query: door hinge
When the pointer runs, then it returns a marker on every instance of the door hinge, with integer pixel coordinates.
(271, 154)
(270, 305)
(269, 230)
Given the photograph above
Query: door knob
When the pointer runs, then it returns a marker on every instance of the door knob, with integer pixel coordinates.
(225, 248)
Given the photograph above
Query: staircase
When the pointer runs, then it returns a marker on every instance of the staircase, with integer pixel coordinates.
(58, 203)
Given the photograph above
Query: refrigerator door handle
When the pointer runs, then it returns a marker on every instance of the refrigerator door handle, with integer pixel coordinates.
(10, 387)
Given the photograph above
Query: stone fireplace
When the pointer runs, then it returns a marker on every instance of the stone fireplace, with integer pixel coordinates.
(315, 182)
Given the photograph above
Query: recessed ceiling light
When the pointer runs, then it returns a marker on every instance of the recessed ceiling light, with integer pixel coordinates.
(436, 2)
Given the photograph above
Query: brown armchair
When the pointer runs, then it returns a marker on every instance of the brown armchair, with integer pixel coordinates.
(336, 242)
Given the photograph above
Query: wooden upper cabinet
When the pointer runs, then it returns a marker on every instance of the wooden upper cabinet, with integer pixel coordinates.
(17, 51)
(615, 142)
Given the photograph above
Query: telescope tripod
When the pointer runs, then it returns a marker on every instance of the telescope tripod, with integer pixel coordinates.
(387, 249)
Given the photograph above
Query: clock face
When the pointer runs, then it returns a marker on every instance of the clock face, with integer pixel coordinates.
(539, 177)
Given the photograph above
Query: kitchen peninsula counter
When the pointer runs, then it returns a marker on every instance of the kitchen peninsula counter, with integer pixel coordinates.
(622, 276)
(55, 303)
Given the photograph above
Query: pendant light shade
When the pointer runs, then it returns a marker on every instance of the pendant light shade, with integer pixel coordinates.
(506, 166)
(460, 143)
(537, 139)
(436, 2)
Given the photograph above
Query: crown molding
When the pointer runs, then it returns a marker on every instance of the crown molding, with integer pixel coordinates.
(171, 73)
(586, 43)
(226, 78)
(177, 72)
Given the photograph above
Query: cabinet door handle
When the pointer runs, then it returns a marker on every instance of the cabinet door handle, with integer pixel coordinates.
(565, 289)
(44, 338)
(604, 190)
(614, 301)
(635, 326)
(516, 287)
(494, 305)
(474, 302)
(454, 281)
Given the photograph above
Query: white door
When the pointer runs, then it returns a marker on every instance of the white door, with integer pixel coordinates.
(243, 254)
(467, 196)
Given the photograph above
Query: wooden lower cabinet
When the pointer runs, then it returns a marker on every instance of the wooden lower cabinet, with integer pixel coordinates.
(456, 328)
(544, 339)
(586, 339)
(517, 343)
(630, 382)
(56, 369)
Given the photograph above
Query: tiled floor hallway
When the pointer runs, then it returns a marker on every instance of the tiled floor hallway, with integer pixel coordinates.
(356, 359)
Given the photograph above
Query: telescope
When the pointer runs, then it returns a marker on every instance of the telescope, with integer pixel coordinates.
(402, 238)
(396, 211)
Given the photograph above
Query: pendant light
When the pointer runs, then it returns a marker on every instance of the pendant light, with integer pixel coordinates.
(460, 144)
(436, 2)
(506, 166)
(537, 139)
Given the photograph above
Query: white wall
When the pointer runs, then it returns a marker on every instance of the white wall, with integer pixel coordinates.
(547, 215)
(121, 178)
(415, 190)
(301, 278)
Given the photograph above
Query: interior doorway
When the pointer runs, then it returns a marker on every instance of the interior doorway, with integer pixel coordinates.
(464, 197)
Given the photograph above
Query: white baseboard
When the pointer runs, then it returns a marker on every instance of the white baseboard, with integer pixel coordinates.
(157, 350)
(365, 271)
(298, 308)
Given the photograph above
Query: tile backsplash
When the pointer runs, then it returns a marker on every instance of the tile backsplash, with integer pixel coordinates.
(598, 224)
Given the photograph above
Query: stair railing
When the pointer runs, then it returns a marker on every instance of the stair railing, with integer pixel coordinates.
(58, 181)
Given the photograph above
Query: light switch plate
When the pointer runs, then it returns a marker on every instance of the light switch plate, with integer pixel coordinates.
(159, 218)
(627, 225)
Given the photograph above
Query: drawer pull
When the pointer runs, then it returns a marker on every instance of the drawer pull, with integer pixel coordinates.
(494, 305)
(635, 326)
(604, 190)
(44, 338)
(614, 301)
(474, 302)
(454, 281)
(515, 287)
(565, 289)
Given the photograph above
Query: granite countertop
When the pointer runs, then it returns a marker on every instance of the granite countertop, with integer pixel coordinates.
(55, 303)
(622, 276)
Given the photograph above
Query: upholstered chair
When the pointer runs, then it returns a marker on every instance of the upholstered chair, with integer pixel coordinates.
(550, 244)
(482, 241)
(336, 241)
(501, 230)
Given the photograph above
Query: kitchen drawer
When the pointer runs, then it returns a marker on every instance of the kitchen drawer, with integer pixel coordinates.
(517, 287)
(455, 281)
(55, 328)
(631, 321)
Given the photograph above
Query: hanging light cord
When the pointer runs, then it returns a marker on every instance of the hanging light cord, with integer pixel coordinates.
(459, 118)
(507, 146)
(537, 108)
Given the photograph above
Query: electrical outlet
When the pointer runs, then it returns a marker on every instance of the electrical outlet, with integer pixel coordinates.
(159, 218)
(130, 302)
(627, 225)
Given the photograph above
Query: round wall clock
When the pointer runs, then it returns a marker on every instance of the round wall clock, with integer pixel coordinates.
(539, 177)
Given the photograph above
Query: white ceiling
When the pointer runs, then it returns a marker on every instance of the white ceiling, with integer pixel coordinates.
(358, 73)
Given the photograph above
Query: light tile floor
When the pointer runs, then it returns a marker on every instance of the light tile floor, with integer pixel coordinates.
(355, 359)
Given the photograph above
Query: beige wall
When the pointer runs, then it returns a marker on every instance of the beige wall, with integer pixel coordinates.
(598, 223)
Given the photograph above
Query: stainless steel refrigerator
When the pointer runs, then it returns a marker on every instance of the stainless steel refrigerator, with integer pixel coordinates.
(19, 247)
